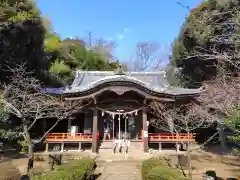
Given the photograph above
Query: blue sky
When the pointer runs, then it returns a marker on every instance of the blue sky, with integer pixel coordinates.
(124, 21)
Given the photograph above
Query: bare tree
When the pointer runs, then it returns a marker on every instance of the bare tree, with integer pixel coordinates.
(213, 105)
(147, 56)
(221, 94)
(184, 118)
(24, 98)
(100, 45)
(181, 119)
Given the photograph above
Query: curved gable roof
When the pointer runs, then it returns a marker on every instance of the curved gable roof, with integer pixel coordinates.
(155, 82)
(85, 80)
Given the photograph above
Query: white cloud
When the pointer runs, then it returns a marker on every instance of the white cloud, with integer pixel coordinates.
(119, 36)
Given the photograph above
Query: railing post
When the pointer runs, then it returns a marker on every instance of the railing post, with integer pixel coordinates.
(62, 146)
(177, 147)
(79, 146)
(160, 146)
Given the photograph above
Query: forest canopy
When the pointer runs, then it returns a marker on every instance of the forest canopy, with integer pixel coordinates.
(209, 37)
(28, 37)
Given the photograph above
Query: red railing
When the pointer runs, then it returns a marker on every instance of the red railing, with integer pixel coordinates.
(171, 137)
(54, 137)
(152, 137)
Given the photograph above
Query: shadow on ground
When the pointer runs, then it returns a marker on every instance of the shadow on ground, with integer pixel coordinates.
(216, 149)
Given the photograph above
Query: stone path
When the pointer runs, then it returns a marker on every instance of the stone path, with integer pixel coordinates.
(123, 170)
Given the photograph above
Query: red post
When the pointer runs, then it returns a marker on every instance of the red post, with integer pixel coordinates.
(97, 134)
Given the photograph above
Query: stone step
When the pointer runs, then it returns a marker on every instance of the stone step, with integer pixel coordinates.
(134, 146)
(132, 149)
(105, 147)
(109, 156)
(129, 150)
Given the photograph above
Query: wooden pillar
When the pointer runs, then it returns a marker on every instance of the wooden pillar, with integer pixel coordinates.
(145, 130)
(88, 122)
(94, 131)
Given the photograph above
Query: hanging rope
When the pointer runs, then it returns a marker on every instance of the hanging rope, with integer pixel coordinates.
(113, 114)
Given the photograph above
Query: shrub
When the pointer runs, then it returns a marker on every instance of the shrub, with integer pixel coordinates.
(149, 164)
(9, 172)
(164, 173)
(23, 146)
(82, 169)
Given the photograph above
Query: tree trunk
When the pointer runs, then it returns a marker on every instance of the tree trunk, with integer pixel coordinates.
(189, 159)
(222, 136)
(30, 148)
(190, 164)
(30, 158)
(170, 125)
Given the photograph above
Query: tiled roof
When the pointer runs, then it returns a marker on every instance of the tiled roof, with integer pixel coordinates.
(153, 81)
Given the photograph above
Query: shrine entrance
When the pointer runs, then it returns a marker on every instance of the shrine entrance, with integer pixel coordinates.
(124, 128)
(120, 125)
(120, 128)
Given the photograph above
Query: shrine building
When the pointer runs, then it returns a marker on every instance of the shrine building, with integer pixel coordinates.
(119, 103)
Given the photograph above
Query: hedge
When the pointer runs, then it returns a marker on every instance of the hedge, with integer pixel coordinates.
(158, 169)
(9, 172)
(80, 169)
(164, 173)
(149, 164)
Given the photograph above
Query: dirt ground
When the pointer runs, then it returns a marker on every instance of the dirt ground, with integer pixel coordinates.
(225, 165)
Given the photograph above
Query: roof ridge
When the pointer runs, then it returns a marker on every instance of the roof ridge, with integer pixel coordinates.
(126, 73)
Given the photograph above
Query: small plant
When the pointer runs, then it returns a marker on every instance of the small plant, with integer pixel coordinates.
(149, 164)
(23, 146)
(74, 170)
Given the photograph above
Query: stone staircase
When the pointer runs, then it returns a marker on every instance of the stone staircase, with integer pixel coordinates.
(106, 146)
(135, 147)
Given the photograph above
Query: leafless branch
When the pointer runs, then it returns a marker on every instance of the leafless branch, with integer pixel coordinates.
(24, 98)
(147, 57)
(221, 95)
(185, 118)
(100, 45)
(67, 114)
